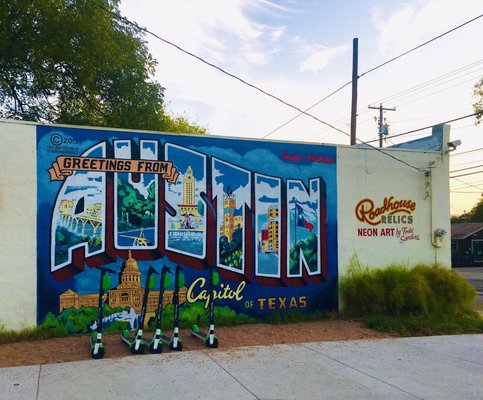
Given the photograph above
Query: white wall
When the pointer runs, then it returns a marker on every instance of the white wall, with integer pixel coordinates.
(18, 214)
(371, 174)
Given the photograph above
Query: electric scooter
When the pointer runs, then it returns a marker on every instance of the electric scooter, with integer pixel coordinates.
(97, 347)
(174, 342)
(209, 339)
(156, 344)
(136, 344)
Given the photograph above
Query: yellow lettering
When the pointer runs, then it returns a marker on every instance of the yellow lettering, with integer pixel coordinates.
(226, 292)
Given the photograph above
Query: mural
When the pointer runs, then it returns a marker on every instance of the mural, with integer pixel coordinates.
(263, 213)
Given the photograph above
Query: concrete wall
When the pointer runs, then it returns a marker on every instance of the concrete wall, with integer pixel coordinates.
(18, 213)
(413, 184)
(420, 177)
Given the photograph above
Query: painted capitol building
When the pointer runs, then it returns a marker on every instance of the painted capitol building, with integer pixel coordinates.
(129, 293)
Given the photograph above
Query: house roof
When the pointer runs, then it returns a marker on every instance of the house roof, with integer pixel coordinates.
(462, 231)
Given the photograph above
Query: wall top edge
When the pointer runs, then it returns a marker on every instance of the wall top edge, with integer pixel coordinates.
(361, 146)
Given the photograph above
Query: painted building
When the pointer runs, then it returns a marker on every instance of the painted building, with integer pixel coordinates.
(280, 221)
(127, 294)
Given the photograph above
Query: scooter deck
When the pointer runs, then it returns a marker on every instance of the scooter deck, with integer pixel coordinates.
(199, 334)
(205, 338)
(130, 341)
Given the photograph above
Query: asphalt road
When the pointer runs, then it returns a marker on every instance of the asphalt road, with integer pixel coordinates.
(474, 275)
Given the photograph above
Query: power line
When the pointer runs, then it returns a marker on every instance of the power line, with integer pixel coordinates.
(127, 21)
(466, 152)
(466, 183)
(427, 127)
(404, 93)
(136, 26)
(469, 173)
(439, 91)
(466, 169)
(307, 109)
(421, 45)
(377, 67)
(461, 191)
(466, 163)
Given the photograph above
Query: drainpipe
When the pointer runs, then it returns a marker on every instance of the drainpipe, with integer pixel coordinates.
(437, 234)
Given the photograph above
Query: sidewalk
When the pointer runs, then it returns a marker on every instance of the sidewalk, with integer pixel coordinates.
(439, 367)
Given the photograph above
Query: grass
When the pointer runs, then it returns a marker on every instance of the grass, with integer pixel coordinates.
(34, 333)
(425, 325)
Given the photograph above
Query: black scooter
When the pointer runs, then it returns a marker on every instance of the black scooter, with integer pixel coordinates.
(174, 342)
(209, 339)
(97, 347)
(156, 344)
(136, 344)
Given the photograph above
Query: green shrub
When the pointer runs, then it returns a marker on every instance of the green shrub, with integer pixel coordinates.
(397, 290)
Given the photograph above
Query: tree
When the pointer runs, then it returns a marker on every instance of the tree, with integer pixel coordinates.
(76, 62)
(178, 123)
(478, 106)
(474, 215)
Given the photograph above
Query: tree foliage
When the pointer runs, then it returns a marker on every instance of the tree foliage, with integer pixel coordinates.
(75, 62)
(478, 106)
(474, 215)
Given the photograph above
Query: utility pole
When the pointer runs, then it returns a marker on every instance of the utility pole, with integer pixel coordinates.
(381, 120)
(355, 77)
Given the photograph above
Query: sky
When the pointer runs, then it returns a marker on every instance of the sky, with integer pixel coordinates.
(301, 51)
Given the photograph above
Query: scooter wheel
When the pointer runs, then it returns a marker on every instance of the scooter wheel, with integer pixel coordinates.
(140, 350)
(158, 350)
(99, 355)
(213, 345)
(179, 347)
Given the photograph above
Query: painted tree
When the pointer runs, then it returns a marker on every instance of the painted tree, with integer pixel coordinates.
(75, 62)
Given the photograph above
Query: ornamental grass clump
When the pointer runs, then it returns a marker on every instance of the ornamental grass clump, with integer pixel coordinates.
(397, 290)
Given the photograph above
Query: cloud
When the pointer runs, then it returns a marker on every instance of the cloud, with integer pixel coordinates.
(319, 59)
(412, 19)
(277, 33)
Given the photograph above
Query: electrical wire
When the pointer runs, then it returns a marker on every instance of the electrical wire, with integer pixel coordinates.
(466, 169)
(426, 127)
(466, 152)
(145, 30)
(459, 191)
(403, 93)
(421, 45)
(308, 109)
(439, 91)
(381, 65)
(469, 173)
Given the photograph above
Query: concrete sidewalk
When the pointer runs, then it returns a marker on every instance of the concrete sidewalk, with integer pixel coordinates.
(440, 367)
